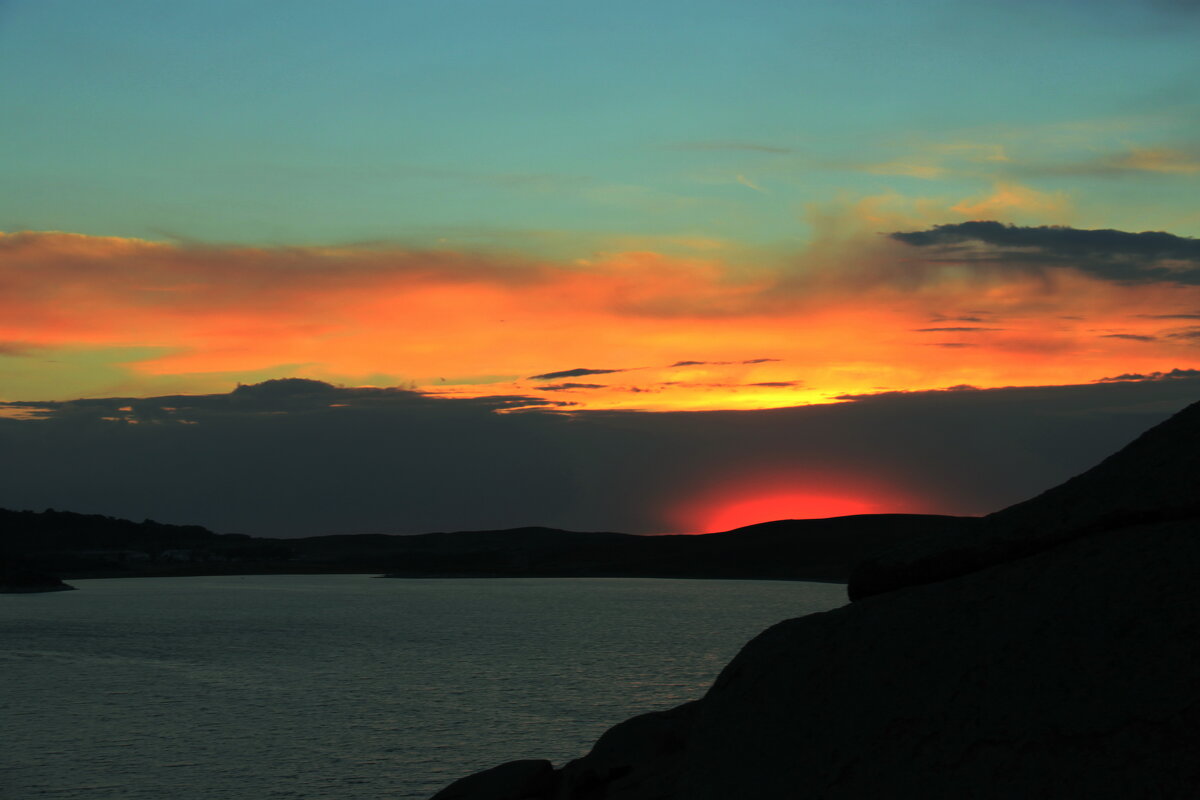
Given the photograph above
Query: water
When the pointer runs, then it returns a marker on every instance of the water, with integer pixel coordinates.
(347, 687)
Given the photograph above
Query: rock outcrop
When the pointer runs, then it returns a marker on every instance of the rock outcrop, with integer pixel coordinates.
(24, 581)
(1155, 478)
(515, 780)
(1053, 656)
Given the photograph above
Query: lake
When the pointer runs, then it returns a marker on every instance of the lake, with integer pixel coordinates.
(347, 687)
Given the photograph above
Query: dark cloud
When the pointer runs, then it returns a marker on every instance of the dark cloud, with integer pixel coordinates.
(578, 372)
(777, 384)
(295, 396)
(298, 458)
(1175, 374)
(954, 330)
(1133, 337)
(723, 363)
(1168, 316)
(951, 344)
(561, 387)
(1147, 257)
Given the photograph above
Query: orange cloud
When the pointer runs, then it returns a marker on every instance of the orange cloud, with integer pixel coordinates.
(1009, 200)
(1158, 159)
(855, 313)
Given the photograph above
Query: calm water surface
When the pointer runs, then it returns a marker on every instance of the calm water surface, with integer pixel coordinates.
(347, 687)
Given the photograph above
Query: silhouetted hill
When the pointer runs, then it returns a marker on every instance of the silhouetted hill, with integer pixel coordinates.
(66, 530)
(1156, 478)
(93, 545)
(1047, 653)
(82, 545)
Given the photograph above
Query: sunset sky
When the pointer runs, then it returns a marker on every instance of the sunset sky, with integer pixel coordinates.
(566, 209)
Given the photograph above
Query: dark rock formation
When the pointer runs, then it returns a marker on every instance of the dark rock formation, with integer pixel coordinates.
(1155, 478)
(640, 757)
(1068, 674)
(516, 780)
(24, 581)
(1054, 656)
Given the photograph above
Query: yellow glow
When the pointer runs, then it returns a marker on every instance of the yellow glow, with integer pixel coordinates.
(854, 317)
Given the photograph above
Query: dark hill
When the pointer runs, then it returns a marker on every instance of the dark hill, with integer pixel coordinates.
(52, 530)
(1155, 478)
(1048, 654)
(83, 545)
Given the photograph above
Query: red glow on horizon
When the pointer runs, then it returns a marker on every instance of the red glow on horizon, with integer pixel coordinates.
(777, 492)
(783, 505)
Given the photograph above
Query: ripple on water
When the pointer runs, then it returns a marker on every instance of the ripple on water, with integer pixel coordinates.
(344, 687)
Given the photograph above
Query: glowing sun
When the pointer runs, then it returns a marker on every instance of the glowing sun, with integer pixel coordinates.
(782, 505)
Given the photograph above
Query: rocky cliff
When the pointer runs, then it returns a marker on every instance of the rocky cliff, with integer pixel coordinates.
(1050, 654)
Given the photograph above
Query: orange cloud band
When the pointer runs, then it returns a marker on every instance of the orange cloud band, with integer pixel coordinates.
(859, 315)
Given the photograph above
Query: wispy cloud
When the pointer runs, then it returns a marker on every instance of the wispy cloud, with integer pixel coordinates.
(1008, 197)
(1133, 161)
(731, 145)
(955, 330)
(912, 169)
(566, 387)
(16, 349)
(578, 372)
(749, 184)
(723, 363)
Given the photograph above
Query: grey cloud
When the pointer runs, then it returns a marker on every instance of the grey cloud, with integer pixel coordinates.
(292, 459)
(1121, 256)
(723, 363)
(1175, 374)
(1135, 337)
(954, 330)
(578, 372)
(562, 387)
(284, 396)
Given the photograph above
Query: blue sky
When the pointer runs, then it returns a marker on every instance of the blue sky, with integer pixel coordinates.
(558, 125)
(634, 207)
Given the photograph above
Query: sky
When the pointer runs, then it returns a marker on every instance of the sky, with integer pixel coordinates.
(556, 215)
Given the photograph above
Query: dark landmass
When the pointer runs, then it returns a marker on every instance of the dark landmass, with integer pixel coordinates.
(91, 546)
(18, 578)
(1047, 651)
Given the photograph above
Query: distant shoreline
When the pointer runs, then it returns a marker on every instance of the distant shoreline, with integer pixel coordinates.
(416, 576)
